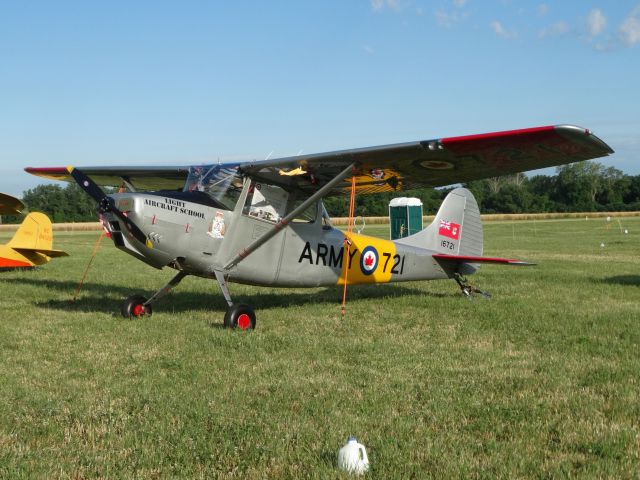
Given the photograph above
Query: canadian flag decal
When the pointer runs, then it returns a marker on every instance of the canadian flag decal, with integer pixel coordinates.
(449, 229)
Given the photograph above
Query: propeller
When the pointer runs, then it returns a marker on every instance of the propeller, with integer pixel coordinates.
(107, 204)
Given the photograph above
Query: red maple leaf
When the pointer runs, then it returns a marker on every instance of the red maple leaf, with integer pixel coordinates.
(368, 260)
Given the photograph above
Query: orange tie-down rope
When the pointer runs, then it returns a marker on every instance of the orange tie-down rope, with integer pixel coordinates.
(347, 244)
(86, 270)
(95, 251)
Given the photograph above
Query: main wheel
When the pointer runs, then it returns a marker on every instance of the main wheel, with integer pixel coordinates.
(134, 306)
(240, 316)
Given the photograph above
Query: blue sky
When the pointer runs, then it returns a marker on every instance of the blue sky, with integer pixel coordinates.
(162, 83)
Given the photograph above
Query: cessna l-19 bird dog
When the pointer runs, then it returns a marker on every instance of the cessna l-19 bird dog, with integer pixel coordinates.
(264, 223)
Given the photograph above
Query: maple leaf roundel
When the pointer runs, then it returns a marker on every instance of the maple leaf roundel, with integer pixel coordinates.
(368, 260)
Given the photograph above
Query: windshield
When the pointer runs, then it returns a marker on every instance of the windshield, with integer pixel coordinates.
(220, 182)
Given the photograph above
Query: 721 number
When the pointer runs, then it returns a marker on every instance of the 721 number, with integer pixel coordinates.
(398, 263)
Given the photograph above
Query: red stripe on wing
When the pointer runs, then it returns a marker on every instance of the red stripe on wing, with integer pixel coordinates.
(54, 173)
(526, 132)
(530, 147)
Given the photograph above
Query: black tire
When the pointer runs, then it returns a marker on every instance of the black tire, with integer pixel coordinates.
(240, 316)
(134, 307)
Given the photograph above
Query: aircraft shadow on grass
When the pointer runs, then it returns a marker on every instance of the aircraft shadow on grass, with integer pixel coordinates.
(621, 280)
(98, 297)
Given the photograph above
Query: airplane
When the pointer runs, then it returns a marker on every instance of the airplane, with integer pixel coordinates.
(32, 243)
(10, 205)
(264, 223)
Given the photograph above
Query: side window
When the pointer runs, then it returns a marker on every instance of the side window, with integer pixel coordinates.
(271, 203)
(266, 202)
(326, 219)
(306, 216)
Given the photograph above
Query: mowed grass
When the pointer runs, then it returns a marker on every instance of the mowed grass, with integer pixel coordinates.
(539, 381)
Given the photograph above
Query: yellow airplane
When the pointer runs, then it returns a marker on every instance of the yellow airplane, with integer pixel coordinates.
(32, 244)
(10, 205)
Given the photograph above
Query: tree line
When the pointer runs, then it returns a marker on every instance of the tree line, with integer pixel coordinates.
(577, 187)
(60, 204)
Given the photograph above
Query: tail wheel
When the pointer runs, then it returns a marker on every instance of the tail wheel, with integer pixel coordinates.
(134, 306)
(240, 316)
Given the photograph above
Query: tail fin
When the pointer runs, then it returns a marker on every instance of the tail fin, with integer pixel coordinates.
(34, 239)
(456, 236)
(456, 230)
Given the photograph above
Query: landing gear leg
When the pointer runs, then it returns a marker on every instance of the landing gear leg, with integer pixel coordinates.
(238, 315)
(467, 289)
(137, 305)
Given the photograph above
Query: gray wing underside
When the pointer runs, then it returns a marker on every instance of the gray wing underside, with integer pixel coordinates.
(386, 168)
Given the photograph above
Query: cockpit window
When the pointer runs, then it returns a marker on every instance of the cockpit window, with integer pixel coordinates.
(220, 182)
(271, 203)
(266, 202)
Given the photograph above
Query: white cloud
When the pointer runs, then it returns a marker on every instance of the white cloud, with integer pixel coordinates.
(596, 21)
(630, 28)
(555, 30)
(499, 30)
(449, 16)
(608, 46)
(444, 19)
(379, 4)
(369, 49)
(543, 8)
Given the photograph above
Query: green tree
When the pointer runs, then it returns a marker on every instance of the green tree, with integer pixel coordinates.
(577, 186)
(69, 204)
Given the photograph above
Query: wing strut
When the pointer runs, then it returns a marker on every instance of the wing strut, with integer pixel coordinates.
(245, 252)
(347, 242)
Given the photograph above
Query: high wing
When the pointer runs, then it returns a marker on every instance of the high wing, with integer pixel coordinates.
(436, 163)
(396, 167)
(143, 178)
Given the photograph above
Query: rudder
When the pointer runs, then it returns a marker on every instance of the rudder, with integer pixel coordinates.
(456, 229)
(35, 233)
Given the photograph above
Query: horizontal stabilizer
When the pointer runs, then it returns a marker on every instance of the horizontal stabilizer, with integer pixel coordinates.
(48, 253)
(472, 259)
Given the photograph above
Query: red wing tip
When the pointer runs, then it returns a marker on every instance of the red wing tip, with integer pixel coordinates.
(53, 173)
(504, 133)
(45, 169)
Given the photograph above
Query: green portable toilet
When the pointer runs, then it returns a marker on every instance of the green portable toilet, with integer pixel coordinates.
(405, 217)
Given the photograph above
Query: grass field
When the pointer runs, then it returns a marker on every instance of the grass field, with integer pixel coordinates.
(540, 381)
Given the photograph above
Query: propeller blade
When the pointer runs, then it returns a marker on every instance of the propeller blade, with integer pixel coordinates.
(88, 185)
(107, 204)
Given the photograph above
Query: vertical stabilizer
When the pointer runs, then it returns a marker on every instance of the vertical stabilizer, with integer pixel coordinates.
(35, 233)
(457, 228)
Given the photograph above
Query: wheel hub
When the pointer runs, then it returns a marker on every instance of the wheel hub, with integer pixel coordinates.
(244, 321)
